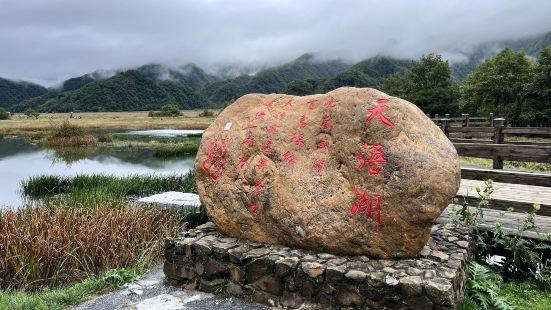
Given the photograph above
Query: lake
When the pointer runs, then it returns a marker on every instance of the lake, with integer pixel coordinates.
(20, 159)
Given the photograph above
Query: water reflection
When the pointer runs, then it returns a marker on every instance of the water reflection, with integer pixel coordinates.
(20, 160)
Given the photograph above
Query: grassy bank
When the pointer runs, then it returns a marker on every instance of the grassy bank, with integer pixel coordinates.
(61, 298)
(103, 121)
(101, 187)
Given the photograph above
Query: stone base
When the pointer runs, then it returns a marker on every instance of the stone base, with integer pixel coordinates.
(205, 260)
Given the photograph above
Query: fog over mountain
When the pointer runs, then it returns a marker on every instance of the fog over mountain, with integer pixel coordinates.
(50, 41)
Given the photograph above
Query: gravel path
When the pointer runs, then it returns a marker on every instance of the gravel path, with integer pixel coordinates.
(151, 293)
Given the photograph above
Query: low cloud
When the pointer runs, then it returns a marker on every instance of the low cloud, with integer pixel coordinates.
(49, 41)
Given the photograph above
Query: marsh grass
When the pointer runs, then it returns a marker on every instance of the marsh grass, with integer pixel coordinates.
(176, 151)
(61, 244)
(94, 188)
(190, 139)
(67, 134)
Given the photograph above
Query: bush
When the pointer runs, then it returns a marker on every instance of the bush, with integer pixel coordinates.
(67, 134)
(30, 113)
(3, 114)
(168, 110)
(206, 113)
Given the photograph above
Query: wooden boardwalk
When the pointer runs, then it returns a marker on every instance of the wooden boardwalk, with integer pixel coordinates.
(517, 196)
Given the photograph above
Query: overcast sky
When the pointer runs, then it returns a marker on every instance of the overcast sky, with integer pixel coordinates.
(47, 41)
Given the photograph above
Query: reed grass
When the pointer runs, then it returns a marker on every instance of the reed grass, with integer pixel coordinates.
(93, 188)
(64, 244)
(176, 151)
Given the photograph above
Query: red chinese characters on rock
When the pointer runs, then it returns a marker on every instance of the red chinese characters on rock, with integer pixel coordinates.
(289, 104)
(289, 158)
(273, 128)
(377, 111)
(326, 123)
(258, 187)
(374, 162)
(297, 139)
(312, 104)
(249, 141)
(323, 145)
(331, 103)
(216, 159)
(262, 164)
(243, 161)
(260, 116)
(269, 104)
(302, 122)
(254, 208)
(319, 165)
(361, 206)
(268, 148)
(280, 115)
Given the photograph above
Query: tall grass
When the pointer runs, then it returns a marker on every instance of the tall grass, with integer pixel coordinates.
(97, 187)
(68, 134)
(65, 244)
(176, 151)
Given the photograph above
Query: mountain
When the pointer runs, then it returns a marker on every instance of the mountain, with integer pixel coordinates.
(130, 90)
(273, 79)
(531, 46)
(13, 92)
(188, 75)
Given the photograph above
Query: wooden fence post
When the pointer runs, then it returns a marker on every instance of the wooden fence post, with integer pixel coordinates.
(445, 126)
(466, 124)
(499, 123)
(491, 119)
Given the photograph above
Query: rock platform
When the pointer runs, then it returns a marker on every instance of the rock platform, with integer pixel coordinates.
(205, 260)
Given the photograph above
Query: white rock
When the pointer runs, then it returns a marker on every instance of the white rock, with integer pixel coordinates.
(174, 199)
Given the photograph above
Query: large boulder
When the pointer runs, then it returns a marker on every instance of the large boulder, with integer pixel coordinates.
(353, 171)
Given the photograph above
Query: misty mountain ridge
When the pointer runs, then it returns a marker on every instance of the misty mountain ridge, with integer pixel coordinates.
(190, 86)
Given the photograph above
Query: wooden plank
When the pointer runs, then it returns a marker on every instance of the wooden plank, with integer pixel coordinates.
(527, 153)
(504, 205)
(472, 129)
(529, 143)
(460, 140)
(528, 130)
(506, 176)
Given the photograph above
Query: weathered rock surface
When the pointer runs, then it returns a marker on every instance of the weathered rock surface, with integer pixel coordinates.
(353, 171)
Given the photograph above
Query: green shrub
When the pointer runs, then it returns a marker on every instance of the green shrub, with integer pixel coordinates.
(3, 114)
(483, 287)
(168, 110)
(30, 113)
(206, 113)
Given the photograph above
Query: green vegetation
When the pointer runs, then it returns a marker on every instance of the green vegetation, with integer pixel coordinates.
(94, 185)
(3, 114)
(168, 110)
(206, 113)
(428, 83)
(30, 113)
(60, 298)
(525, 261)
(176, 151)
(67, 134)
(131, 90)
(13, 92)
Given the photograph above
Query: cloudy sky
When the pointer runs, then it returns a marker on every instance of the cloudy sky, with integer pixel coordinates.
(48, 41)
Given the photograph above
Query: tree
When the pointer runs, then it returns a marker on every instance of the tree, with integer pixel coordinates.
(428, 84)
(353, 78)
(539, 92)
(30, 113)
(500, 84)
(3, 114)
